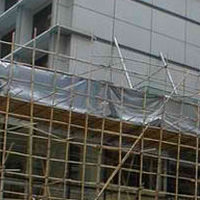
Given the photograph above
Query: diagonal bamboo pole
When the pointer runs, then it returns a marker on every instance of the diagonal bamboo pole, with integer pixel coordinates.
(118, 167)
(122, 162)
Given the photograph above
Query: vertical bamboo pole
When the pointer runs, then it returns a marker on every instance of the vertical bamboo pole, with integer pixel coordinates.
(66, 172)
(10, 76)
(100, 156)
(86, 135)
(30, 146)
(120, 160)
(197, 154)
(120, 143)
(159, 164)
(177, 167)
(179, 149)
(67, 147)
(197, 168)
(139, 192)
(84, 158)
(47, 170)
(85, 142)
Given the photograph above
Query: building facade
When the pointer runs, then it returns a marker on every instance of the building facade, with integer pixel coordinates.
(87, 30)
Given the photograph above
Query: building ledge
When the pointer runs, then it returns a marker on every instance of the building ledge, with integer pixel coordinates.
(8, 18)
(42, 40)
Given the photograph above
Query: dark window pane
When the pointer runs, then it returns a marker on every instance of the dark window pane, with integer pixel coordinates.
(9, 3)
(42, 61)
(42, 19)
(6, 48)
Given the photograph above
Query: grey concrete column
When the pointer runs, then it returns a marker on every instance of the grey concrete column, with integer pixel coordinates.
(24, 25)
(2, 6)
(62, 12)
(55, 6)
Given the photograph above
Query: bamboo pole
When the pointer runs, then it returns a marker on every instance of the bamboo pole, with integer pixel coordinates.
(11, 72)
(120, 143)
(139, 192)
(47, 192)
(30, 145)
(66, 171)
(159, 164)
(48, 164)
(100, 156)
(85, 143)
(197, 154)
(177, 167)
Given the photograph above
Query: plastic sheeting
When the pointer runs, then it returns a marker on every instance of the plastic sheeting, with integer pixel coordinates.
(96, 97)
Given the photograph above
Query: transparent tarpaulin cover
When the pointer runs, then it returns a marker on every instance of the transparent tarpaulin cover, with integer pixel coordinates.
(96, 97)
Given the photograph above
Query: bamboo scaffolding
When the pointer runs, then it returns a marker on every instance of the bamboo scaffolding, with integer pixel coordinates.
(30, 146)
(139, 192)
(66, 171)
(6, 121)
(85, 146)
(197, 156)
(108, 135)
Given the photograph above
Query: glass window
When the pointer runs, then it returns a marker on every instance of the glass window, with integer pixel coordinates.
(9, 3)
(42, 19)
(6, 48)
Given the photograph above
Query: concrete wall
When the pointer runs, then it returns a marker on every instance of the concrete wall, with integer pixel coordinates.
(143, 29)
(2, 6)
(140, 26)
(62, 12)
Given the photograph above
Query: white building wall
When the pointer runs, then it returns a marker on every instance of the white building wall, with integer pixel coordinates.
(147, 27)
(143, 29)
